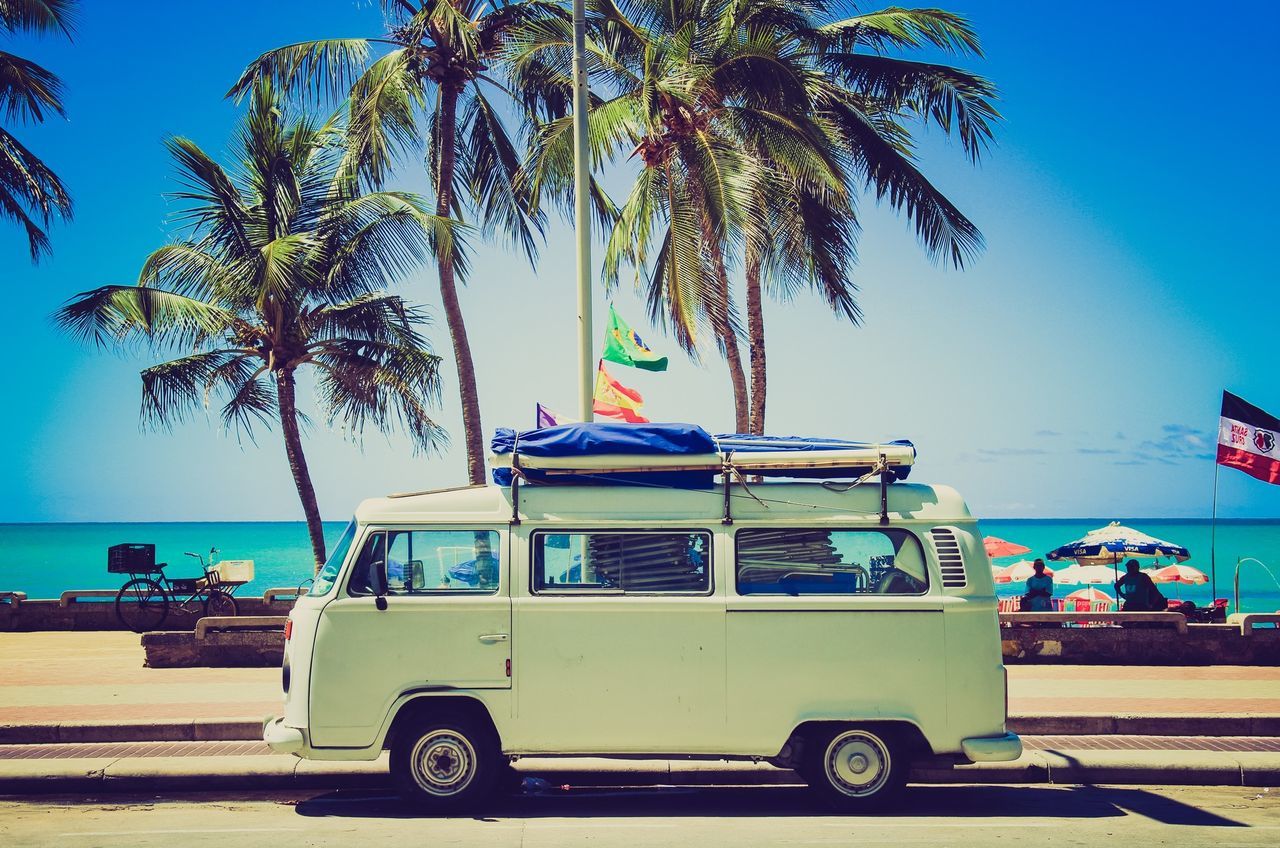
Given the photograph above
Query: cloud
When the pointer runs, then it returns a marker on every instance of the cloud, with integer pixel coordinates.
(1012, 452)
(1120, 436)
(1179, 442)
(1047, 433)
(1098, 451)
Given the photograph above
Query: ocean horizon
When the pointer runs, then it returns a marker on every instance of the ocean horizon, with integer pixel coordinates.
(44, 559)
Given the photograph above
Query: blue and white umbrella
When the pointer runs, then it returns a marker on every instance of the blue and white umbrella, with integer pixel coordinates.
(1108, 545)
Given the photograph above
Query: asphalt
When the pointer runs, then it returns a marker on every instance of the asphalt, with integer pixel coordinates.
(658, 817)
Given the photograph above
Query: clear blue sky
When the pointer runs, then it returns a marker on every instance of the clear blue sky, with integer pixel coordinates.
(1074, 370)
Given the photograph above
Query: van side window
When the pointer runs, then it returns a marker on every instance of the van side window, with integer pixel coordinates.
(641, 563)
(804, 561)
(427, 562)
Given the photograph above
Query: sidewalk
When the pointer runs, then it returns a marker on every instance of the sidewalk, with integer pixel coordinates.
(92, 678)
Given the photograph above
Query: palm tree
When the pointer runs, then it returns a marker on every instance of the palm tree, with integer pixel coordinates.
(756, 122)
(282, 268)
(693, 102)
(431, 89)
(30, 193)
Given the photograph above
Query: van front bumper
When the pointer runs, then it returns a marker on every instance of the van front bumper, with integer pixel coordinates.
(992, 749)
(281, 739)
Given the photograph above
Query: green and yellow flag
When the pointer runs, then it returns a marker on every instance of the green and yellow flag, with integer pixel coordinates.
(624, 346)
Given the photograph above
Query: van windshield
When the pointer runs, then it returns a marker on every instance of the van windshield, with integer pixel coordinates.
(329, 574)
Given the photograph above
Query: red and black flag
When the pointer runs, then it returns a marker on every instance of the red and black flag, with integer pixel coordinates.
(1249, 439)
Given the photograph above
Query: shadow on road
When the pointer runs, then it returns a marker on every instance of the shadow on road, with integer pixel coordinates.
(959, 802)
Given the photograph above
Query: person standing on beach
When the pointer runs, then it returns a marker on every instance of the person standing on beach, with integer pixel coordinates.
(1039, 597)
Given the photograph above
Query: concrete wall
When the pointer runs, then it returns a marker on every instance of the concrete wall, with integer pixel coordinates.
(29, 616)
(1203, 644)
(233, 649)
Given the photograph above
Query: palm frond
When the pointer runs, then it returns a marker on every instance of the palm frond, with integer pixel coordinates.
(116, 314)
(941, 228)
(365, 382)
(904, 28)
(38, 16)
(490, 167)
(385, 105)
(28, 91)
(954, 99)
(324, 68)
(172, 391)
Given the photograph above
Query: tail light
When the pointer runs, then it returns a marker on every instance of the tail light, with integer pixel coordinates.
(288, 628)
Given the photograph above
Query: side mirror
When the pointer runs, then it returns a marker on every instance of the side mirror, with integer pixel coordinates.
(378, 583)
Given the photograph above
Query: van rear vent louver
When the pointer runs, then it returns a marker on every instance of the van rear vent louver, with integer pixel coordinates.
(950, 560)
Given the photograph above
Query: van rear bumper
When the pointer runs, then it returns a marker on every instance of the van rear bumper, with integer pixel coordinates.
(281, 739)
(992, 749)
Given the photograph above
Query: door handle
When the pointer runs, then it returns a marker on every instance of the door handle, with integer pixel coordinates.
(490, 638)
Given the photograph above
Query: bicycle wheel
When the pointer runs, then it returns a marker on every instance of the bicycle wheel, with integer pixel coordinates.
(142, 605)
(219, 603)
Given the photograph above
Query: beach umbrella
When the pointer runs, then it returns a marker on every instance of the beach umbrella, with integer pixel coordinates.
(1177, 574)
(1115, 542)
(1085, 574)
(997, 547)
(1016, 573)
(1090, 595)
(1110, 544)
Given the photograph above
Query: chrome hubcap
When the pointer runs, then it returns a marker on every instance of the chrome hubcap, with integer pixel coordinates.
(444, 762)
(857, 763)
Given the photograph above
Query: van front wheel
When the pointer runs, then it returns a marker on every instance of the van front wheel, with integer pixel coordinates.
(856, 769)
(445, 764)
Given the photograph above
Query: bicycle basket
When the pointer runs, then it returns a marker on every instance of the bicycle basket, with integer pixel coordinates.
(237, 571)
(131, 559)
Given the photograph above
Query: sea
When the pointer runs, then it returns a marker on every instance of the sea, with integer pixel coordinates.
(44, 560)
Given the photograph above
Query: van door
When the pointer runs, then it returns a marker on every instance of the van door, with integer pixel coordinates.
(831, 623)
(620, 644)
(446, 626)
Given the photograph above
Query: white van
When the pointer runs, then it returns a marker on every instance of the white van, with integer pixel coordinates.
(843, 631)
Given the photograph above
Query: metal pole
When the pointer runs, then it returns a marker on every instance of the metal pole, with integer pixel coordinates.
(1213, 540)
(582, 211)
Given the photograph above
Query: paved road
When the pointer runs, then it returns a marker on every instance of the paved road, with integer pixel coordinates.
(709, 818)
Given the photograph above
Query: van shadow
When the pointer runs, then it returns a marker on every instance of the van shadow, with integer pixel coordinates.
(958, 802)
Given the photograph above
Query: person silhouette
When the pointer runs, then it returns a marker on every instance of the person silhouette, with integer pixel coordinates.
(1138, 590)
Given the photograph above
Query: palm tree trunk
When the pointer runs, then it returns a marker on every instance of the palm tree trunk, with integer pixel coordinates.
(472, 431)
(285, 390)
(720, 318)
(729, 341)
(755, 337)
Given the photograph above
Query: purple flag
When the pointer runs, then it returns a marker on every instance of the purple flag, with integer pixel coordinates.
(550, 418)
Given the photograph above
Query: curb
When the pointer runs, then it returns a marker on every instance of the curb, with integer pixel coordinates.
(240, 729)
(189, 730)
(1222, 724)
(283, 773)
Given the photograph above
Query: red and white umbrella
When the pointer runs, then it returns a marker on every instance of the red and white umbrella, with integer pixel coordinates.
(1016, 573)
(1178, 574)
(997, 547)
(1089, 595)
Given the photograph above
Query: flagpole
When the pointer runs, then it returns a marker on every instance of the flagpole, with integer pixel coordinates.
(582, 210)
(1213, 539)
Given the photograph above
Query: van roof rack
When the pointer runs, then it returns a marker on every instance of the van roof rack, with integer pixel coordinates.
(685, 456)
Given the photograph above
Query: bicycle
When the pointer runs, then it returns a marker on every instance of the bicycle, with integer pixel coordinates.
(142, 604)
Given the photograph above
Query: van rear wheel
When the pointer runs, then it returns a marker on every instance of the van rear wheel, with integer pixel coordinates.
(857, 769)
(445, 764)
